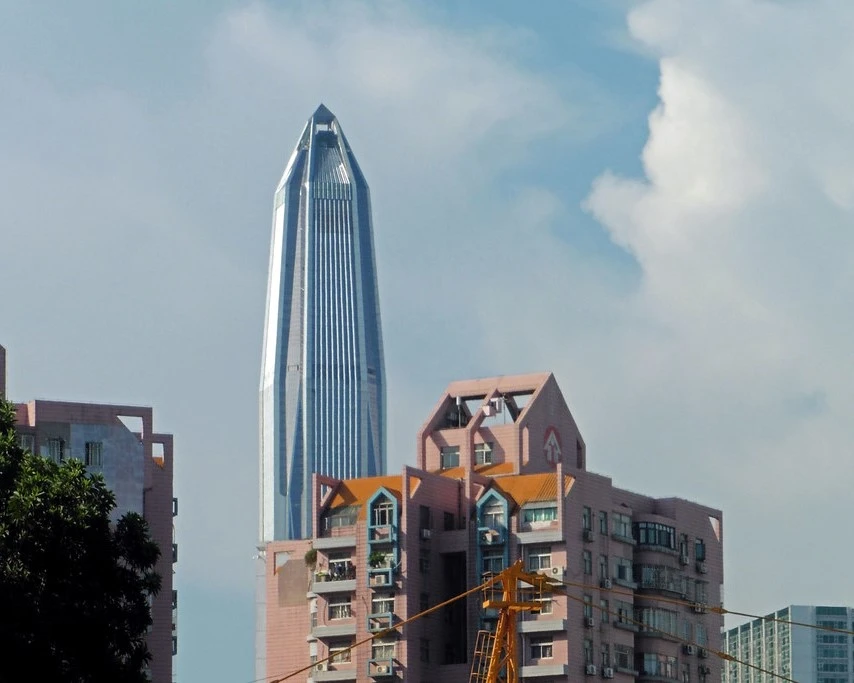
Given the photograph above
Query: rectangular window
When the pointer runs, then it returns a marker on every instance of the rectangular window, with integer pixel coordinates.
(493, 561)
(341, 567)
(56, 449)
(623, 569)
(539, 557)
(700, 635)
(541, 647)
(546, 605)
(588, 651)
(605, 612)
(27, 442)
(425, 517)
(448, 518)
(382, 649)
(339, 607)
(624, 657)
(588, 607)
(603, 522)
(606, 655)
(655, 535)
(450, 457)
(424, 602)
(622, 526)
(483, 453)
(425, 650)
(382, 604)
(340, 652)
(382, 513)
(94, 454)
(700, 550)
(586, 520)
(587, 562)
(539, 514)
(343, 516)
(603, 567)
(424, 562)
(493, 515)
(625, 612)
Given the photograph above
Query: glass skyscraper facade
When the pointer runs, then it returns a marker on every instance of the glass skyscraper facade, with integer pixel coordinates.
(322, 379)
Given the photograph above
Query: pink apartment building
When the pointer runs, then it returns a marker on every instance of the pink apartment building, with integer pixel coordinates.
(118, 442)
(501, 475)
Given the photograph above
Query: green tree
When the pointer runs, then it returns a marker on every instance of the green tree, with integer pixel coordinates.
(74, 588)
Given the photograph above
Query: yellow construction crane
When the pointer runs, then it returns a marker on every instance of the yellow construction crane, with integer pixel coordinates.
(513, 590)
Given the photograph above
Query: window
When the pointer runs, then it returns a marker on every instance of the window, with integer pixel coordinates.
(341, 567)
(27, 442)
(425, 517)
(424, 602)
(603, 566)
(339, 652)
(450, 457)
(540, 514)
(700, 635)
(382, 604)
(606, 654)
(657, 620)
(622, 526)
(382, 649)
(425, 649)
(699, 550)
(448, 519)
(588, 651)
(624, 656)
(56, 449)
(339, 607)
(424, 562)
(587, 562)
(383, 512)
(603, 522)
(541, 647)
(625, 612)
(701, 592)
(654, 664)
(588, 607)
(623, 569)
(493, 561)
(686, 673)
(603, 608)
(683, 546)
(656, 535)
(546, 605)
(493, 515)
(343, 516)
(539, 557)
(94, 454)
(586, 520)
(483, 453)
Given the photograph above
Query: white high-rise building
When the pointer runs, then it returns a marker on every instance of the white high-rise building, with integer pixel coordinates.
(807, 655)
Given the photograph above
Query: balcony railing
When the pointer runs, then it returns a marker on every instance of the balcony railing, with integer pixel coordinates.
(380, 621)
(386, 533)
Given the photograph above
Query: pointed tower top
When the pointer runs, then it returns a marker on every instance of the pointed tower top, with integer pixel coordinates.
(323, 115)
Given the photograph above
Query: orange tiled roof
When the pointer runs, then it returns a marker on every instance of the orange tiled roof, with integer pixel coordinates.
(497, 468)
(358, 491)
(529, 488)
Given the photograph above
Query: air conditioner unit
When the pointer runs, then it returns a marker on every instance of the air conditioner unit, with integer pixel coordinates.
(704, 669)
(689, 649)
(588, 535)
(321, 666)
(557, 572)
(699, 608)
(382, 669)
(426, 534)
(379, 579)
(589, 622)
(607, 584)
(607, 672)
(683, 559)
(490, 536)
(590, 669)
(703, 652)
(701, 568)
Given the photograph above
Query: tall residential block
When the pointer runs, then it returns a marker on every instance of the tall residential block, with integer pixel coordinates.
(797, 652)
(119, 443)
(322, 378)
(501, 475)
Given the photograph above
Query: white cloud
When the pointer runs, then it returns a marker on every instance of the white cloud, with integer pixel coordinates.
(742, 227)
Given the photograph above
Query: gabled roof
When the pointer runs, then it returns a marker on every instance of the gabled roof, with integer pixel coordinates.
(351, 492)
(530, 488)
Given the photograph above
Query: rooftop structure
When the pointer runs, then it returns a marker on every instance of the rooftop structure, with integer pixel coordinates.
(501, 476)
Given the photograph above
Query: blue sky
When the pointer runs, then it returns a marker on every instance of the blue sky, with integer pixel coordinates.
(658, 194)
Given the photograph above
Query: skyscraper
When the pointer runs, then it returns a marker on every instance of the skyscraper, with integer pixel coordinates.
(322, 377)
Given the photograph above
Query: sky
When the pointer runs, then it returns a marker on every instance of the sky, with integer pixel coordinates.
(653, 199)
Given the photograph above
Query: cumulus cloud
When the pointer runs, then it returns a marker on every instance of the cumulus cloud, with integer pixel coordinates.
(742, 228)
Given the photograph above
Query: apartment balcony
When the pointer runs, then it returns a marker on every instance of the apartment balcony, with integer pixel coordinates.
(386, 533)
(380, 621)
(542, 625)
(544, 670)
(343, 581)
(334, 542)
(335, 630)
(381, 668)
(334, 672)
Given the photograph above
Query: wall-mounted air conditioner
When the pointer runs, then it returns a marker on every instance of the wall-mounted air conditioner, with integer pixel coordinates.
(607, 672)
(589, 622)
(426, 534)
(590, 669)
(607, 584)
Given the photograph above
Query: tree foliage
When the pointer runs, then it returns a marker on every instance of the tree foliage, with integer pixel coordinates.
(74, 588)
